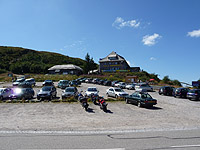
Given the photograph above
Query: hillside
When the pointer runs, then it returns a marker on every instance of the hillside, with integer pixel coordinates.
(20, 60)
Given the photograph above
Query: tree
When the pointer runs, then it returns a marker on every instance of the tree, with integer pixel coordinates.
(89, 64)
(166, 79)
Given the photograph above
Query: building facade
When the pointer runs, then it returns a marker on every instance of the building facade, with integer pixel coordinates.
(66, 69)
(114, 63)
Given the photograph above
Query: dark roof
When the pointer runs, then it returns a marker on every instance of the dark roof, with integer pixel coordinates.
(112, 55)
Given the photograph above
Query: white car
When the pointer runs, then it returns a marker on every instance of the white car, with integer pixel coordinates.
(116, 92)
(121, 85)
(91, 90)
(131, 86)
(143, 87)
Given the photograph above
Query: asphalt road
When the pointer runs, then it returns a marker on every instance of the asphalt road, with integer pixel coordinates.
(156, 140)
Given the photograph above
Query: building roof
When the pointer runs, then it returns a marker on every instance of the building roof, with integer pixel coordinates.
(113, 56)
(68, 66)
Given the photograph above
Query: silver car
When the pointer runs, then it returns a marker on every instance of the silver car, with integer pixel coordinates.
(70, 92)
(5, 93)
(143, 87)
(116, 92)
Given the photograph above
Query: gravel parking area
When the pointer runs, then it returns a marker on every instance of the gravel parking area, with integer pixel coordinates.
(169, 113)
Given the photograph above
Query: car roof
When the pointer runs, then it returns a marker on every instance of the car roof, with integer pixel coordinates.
(91, 87)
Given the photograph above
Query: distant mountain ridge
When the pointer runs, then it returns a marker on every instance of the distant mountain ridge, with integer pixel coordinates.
(22, 60)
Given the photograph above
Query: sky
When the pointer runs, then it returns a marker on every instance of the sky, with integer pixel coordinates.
(159, 36)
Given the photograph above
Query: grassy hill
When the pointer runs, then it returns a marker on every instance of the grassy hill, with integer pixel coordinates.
(20, 60)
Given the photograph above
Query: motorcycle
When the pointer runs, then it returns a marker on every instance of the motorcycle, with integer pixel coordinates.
(83, 100)
(103, 104)
(94, 98)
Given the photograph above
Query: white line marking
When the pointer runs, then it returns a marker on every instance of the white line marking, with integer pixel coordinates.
(182, 146)
(75, 149)
(92, 131)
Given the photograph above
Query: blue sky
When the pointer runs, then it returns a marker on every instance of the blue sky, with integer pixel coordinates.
(160, 36)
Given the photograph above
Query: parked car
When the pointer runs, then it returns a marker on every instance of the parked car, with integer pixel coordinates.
(131, 86)
(31, 81)
(166, 90)
(181, 92)
(114, 82)
(116, 92)
(95, 81)
(143, 87)
(18, 81)
(121, 85)
(193, 94)
(48, 83)
(70, 92)
(107, 83)
(141, 99)
(89, 80)
(63, 84)
(22, 93)
(73, 83)
(5, 93)
(100, 82)
(91, 90)
(47, 92)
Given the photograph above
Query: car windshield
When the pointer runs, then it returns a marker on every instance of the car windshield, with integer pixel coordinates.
(46, 88)
(20, 80)
(69, 90)
(145, 95)
(65, 82)
(48, 81)
(92, 89)
(1, 90)
(119, 90)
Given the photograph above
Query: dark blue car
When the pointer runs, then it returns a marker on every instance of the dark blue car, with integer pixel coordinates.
(194, 94)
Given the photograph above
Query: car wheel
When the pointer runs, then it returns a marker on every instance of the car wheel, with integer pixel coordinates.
(50, 98)
(38, 98)
(1, 98)
(116, 96)
(107, 94)
(127, 102)
(139, 104)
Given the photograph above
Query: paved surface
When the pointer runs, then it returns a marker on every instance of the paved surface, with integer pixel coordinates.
(165, 140)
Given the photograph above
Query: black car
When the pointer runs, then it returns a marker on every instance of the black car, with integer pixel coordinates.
(100, 82)
(166, 90)
(47, 92)
(181, 92)
(48, 83)
(193, 94)
(73, 83)
(141, 99)
(22, 93)
(107, 83)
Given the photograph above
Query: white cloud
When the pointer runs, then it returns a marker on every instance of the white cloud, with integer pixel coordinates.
(150, 40)
(120, 23)
(153, 58)
(194, 33)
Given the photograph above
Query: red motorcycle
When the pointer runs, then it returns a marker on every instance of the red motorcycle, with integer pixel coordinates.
(103, 104)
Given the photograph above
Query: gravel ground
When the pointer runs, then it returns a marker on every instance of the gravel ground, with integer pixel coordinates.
(169, 113)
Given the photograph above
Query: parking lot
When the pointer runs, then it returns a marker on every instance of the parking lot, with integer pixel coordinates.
(169, 113)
